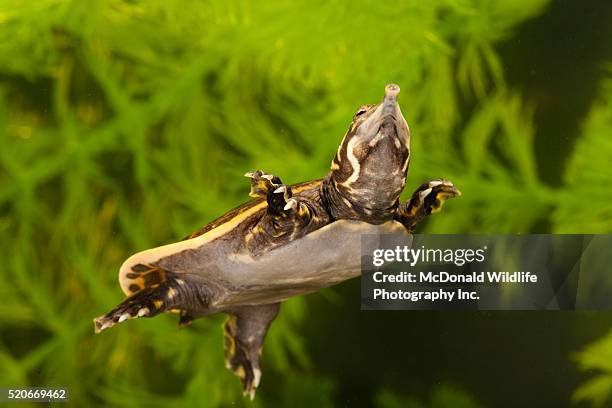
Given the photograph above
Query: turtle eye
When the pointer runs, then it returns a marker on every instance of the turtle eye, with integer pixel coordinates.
(362, 109)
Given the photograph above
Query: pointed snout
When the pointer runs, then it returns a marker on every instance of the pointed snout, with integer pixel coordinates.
(386, 119)
(390, 100)
(391, 92)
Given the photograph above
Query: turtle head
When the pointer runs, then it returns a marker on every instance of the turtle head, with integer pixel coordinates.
(369, 169)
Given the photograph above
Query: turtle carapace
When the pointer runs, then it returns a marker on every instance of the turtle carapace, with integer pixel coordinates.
(289, 240)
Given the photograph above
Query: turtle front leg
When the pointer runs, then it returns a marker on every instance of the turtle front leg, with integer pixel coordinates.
(287, 216)
(283, 207)
(427, 199)
(279, 196)
(245, 331)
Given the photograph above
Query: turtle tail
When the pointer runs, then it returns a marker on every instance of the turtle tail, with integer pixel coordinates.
(175, 293)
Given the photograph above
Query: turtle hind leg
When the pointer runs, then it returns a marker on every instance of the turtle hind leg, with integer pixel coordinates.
(427, 199)
(245, 331)
(174, 293)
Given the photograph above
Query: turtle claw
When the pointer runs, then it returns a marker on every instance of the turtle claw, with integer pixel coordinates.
(291, 204)
(250, 389)
(281, 200)
(101, 324)
(125, 311)
(427, 199)
(106, 322)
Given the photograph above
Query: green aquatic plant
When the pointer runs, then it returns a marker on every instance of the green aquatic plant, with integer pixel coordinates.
(129, 124)
(596, 358)
(586, 173)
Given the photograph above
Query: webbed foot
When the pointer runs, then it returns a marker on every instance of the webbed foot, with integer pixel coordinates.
(278, 195)
(245, 330)
(174, 294)
(427, 199)
(262, 183)
(146, 303)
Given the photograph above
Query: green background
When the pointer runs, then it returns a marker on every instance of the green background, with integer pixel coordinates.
(128, 124)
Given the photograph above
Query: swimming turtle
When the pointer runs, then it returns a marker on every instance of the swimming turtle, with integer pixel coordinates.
(289, 240)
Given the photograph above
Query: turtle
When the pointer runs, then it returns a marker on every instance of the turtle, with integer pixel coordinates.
(288, 240)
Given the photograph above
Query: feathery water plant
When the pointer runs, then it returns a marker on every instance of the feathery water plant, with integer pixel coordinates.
(128, 124)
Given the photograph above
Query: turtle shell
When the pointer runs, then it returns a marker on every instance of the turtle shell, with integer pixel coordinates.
(319, 259)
